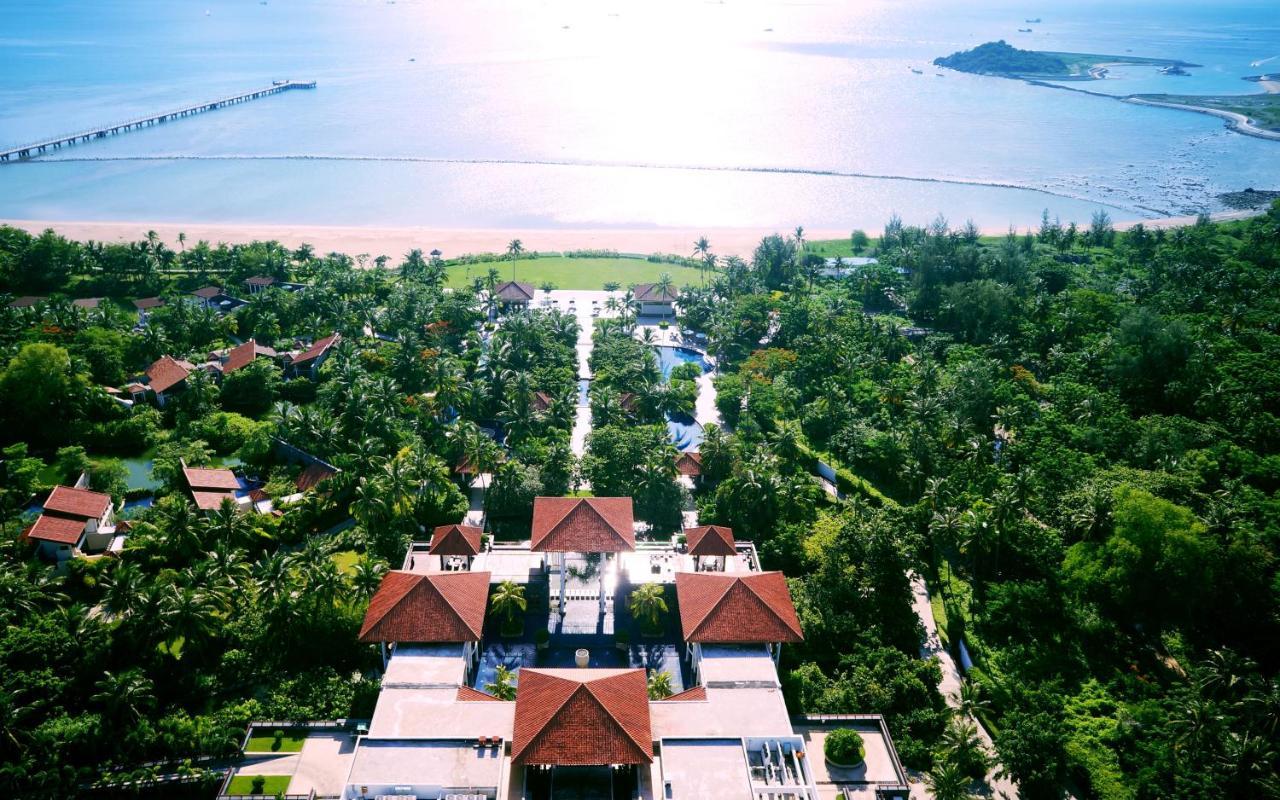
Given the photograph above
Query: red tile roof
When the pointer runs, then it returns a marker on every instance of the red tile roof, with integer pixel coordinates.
(583, 525)
(211, 501)
(582, 717)
(542, 401)
(319, 348)
(441, 607)
(200, 478)
(166, 373)
(244, 354)
(710, 540)
(314, 474)
(26, 301)
(628, 401)
(87, 302)
(260, 280)
(49, 528)
(81, 503)
(650, 293)
(514, 291)
(144, 303)
(455, 540)
(467, 695)
(689, 463)
(208, 292)
(696, 693)
(736, 609)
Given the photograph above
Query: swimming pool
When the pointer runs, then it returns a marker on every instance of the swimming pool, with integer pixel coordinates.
(671, 357)
(684, 431)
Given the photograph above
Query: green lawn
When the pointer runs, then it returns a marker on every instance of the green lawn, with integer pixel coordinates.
(577, 273)
(346, 561)
(265, 742)
(275, 784)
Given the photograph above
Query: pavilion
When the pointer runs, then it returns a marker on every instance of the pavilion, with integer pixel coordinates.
(423, 609)
(714, 543)
(459, 544)
(740, 608)
(563, 525)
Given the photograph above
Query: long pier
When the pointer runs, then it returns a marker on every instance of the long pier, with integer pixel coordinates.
(36, 149)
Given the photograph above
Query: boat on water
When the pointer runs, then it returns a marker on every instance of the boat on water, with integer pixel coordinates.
(917, 71)
(1024, 30)
(1035, 21)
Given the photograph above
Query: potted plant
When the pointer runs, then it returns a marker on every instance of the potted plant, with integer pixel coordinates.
(843, 748)
(542, 638)
(663, 324)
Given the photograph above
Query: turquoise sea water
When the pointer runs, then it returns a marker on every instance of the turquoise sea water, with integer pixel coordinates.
(600, 113)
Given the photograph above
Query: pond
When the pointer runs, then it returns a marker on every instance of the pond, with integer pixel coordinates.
(671, 357)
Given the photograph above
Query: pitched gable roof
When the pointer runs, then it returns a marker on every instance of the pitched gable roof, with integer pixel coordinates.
(583, 525)
(211, 501)
(62, 530)
(582, 717)
(201, 478)
(455, 540)
(166, 373)
(143, 303)
(27, 301)
(260, 280)
(318, 349)
(542, 401)
(468, 695)
(696, 693)
(314, 473)
(514, 291)
(441, 607)
(689, 463)
(710, 540)
(650, 293)
(736, 609)
(80, 503)
(208, 292)
(243, 355)
(87, 302)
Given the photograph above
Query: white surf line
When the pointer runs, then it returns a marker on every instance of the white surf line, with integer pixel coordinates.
(821, 173)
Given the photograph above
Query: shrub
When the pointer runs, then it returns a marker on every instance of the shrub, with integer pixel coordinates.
(259, 783)
(843, 747)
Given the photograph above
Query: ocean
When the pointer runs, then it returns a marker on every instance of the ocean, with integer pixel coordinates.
(619, 113)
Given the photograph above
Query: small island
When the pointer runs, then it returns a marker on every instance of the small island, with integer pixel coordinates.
(1002, 59)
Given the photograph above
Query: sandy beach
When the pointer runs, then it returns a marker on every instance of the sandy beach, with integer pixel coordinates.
(452, 242)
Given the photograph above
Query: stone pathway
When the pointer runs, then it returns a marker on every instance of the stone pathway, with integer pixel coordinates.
(1001, 788)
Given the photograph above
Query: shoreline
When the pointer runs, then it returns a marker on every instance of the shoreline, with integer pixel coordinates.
(1235, 122)
(373, 241)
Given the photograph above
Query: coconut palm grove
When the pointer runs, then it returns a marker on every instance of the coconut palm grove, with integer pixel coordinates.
(920, 513)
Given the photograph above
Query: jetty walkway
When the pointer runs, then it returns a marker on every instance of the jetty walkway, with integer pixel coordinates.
(35, 149)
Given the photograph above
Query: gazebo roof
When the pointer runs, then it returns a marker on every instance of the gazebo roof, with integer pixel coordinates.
(440, 607)
(689, 463)
(750, 608)
(582, 717)
(583, 525)
(514, 291)
(710, 540)
(455, 540)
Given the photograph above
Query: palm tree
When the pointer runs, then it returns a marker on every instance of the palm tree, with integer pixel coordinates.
(125, 695)
(508, 601)
(367, 576)
(515, 248)
(647, 604)
(702, 247)
(503, 684)
(660, 685)
(946, 781)
(665, 285)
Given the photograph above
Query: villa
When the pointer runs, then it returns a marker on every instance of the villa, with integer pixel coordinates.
(74, 520)
(167, 376)
(209, 487)
(580, 666)
(308, 362)
(242, 356)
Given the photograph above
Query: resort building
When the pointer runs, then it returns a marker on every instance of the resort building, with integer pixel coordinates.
(655, 300)
(513, 295)
(72, 522)
(27, 301)
(242, 355)
(593, 694)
